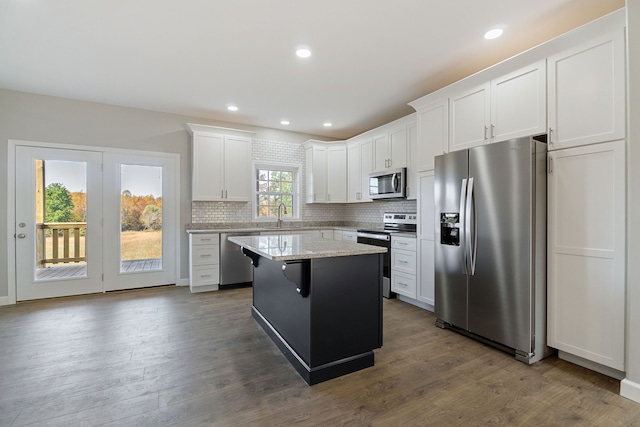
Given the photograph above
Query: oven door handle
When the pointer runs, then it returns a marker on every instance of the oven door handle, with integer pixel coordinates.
(375, 236)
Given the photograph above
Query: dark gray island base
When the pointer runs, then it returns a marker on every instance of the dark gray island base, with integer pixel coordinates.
(325, 314)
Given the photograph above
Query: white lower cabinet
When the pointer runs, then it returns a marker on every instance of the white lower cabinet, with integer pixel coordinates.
(403, 266)
(586, 252)
(204, 262)
(426, 239)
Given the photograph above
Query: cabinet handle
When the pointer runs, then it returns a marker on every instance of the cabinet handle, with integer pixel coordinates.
(493, 127)
(550, 165)
(205, 256)
(550, 138)
(204, 276)
(222, 194)
(403, 262)
(403, 284)
(485, 132)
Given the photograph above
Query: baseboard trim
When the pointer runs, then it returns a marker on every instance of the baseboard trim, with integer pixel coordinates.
(630, 390)
(4, 301)
(182, 282)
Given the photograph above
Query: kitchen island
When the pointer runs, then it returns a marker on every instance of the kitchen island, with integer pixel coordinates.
(319, 300)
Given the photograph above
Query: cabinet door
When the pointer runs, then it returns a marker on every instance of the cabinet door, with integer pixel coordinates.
(366, 165)
(207, 162)
(412, 162)
(519, 103)
(426, 239)
(587, 93)
(354, 173)
(381, 152)
(316, 164)
(237, 169)
(433, 134)
(337, 174)
(398, 148)
(586, 252)
(469, 116)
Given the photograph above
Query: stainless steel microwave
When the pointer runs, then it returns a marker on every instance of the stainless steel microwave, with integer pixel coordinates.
(388, 184)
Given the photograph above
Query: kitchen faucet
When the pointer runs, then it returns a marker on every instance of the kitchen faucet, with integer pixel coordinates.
(281, 205)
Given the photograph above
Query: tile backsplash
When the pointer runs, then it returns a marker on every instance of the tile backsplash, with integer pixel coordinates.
(293, 153)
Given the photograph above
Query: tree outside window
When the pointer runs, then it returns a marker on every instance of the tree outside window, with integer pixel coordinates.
(275, 186)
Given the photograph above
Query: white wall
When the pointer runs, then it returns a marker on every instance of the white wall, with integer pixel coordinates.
(630, 386)
(57, 120)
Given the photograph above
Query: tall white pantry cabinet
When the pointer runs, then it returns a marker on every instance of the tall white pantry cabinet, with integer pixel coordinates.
(587, 203)
(573, 89)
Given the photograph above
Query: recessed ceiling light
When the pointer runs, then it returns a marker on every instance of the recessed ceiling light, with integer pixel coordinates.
(284, 122)
(327, 124)
(303, 52)
(232, 108)
(494, 33)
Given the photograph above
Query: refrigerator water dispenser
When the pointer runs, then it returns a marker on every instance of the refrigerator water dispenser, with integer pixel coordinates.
(450, 229)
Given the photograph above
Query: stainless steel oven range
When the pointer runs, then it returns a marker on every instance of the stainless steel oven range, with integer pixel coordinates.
(402, 222)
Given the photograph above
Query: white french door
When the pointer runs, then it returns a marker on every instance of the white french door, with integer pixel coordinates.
(92, 221)
(58, 222)
(140, 200)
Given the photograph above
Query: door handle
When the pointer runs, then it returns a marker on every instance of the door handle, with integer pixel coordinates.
(463, 197)
(21, 236)
(472, 245)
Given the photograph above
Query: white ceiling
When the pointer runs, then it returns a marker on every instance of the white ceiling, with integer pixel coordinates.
(194, 57)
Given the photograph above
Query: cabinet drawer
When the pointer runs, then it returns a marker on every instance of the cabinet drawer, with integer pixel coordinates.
(403, 284)
(205, 275)
(205, 239)
(205, 255)
(350, 236)
(404, 261)
(406, 243)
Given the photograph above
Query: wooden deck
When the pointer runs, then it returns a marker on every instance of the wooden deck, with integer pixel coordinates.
(80, 270)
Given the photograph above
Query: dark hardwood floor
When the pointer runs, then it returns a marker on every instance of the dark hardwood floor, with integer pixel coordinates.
(164, 356)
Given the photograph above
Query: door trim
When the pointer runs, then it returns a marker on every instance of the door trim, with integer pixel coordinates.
(11, 202)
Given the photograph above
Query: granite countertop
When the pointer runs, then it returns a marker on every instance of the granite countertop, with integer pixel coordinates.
(267, 226)
(287, 247)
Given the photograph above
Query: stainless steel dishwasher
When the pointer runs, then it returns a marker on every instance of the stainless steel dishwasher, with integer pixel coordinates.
(235, 268)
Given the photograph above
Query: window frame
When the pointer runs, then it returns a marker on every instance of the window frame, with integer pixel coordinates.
(287, 167)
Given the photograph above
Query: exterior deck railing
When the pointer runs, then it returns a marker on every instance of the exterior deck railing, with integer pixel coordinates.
(69, 232)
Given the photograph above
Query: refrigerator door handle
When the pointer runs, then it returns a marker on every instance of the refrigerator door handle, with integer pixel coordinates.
(470, 227)
(463, 197)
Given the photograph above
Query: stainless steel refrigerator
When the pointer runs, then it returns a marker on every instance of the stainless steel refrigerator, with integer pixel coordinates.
(490, 257)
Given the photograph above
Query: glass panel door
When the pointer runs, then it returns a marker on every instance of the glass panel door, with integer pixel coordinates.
(141, 203)
(58, 227)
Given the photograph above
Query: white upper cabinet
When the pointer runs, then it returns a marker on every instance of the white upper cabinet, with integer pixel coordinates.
(470, 112)
(337, 173)
(237, 169)
(354, 176)
(326, 172)
(316, 173)
(433, 134)
(359, 166)
(507, 107)
(366, 165)
(390, 149)
(519, 103)
(587, 93)
(221, 165)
